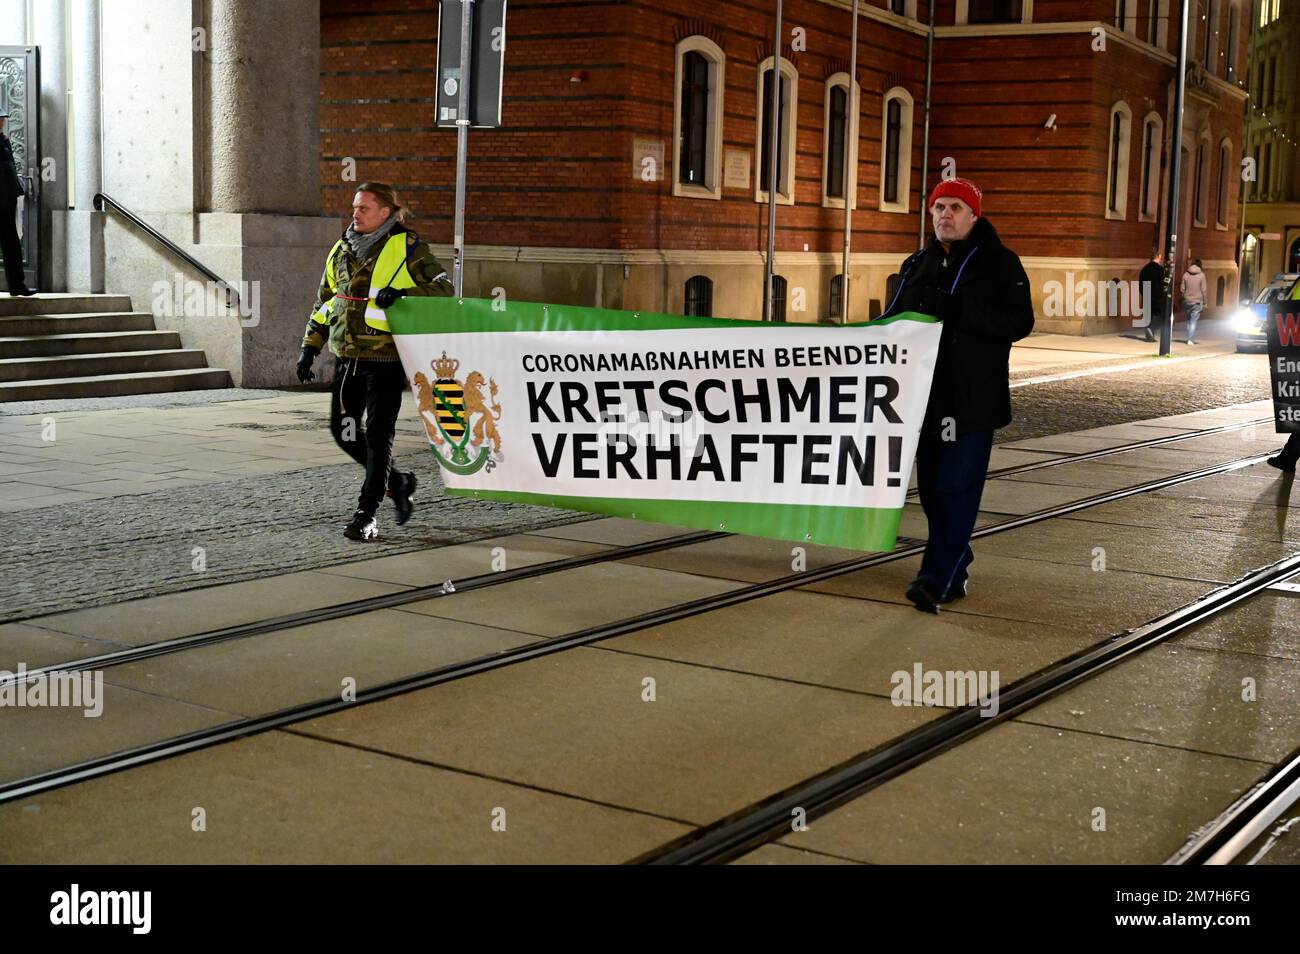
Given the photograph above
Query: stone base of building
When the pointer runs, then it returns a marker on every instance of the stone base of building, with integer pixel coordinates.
(273, 262)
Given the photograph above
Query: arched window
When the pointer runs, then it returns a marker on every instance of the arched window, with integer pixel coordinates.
(837, 296)
(697, 118)
(1201, 184)
(1211, 31)
(699, 297)
(787, 124)
(896, 150)
(840, 126)
(1234, 26)
(1222, 197)
(1152, 133)
(778, 298)
(1121, 119)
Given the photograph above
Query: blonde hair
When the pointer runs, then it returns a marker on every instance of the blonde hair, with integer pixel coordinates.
(386, 196)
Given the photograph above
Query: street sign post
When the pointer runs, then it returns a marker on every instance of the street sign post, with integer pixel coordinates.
(471, 67)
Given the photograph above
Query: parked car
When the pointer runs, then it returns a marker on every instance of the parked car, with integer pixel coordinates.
(1249, 321)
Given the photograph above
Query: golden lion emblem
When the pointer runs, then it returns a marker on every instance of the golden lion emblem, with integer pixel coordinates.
(456, 412)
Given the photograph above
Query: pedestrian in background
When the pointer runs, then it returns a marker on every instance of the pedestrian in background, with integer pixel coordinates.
(977, 287)
(1152, 281)
(376, 262)
(11, 187)
(1193, 292)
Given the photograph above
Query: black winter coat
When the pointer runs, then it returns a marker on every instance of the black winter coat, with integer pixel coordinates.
(980, 292)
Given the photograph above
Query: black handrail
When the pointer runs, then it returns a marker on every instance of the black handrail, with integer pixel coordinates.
(101, 200)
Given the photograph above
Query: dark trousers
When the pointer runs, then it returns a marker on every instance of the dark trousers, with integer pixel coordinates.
(1290, 454)
(10, 245)
(375, 388)
(950, 477)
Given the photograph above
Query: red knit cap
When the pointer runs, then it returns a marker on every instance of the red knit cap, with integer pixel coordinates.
(962, 189)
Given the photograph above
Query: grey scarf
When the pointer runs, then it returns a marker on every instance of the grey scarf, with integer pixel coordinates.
(362, 244)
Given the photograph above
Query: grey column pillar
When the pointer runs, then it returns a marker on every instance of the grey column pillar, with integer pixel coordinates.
(85, 227)
(87, 140)
(264, 106)
(48, 28)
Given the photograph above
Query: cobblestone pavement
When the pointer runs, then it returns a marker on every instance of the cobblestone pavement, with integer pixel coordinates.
(123, 547)
(1099, 400)
(104, 551)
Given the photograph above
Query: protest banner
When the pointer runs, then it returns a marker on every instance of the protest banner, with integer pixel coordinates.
(796, 432)
(1283, 329)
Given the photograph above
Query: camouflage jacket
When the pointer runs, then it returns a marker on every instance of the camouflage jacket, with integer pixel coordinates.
(348, 334)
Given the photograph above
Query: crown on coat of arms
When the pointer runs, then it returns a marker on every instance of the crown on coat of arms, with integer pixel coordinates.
(445, 367)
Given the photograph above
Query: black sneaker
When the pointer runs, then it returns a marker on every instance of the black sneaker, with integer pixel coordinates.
(362, 527)
(1285, 466)
(22, 291)
(1149, 336)
(402, 498)
(923, 596)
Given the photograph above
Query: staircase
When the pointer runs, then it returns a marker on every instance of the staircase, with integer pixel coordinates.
(78, 346)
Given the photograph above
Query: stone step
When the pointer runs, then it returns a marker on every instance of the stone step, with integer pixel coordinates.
(114, 385)
(76, 323)
(83, 365)
(62, 303)
(102, 342)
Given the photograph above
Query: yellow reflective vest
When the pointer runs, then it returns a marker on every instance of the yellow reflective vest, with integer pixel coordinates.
(389, 271)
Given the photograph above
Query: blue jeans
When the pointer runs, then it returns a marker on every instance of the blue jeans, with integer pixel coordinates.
(1193, 313)
(950, 477)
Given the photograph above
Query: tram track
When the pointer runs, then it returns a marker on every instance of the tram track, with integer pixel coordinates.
(188, 742)
(496, 578)
(768, 819)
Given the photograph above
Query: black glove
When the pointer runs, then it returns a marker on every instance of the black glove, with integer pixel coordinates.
(305, 357)
(387, 296)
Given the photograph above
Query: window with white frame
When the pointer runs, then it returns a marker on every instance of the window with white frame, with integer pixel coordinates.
(697, 118)
(1121, 119)
(1152, 135)
(840, 127)
(992, 11)
(1234, 26)
(1222, 197)
(904, 8)
(1201, 184)
(1126, 15)
(1211, 34)
(896, 150)
(786, 95)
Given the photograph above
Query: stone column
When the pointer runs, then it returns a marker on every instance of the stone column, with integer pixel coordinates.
(264, 107)
(85, 226)
(48, 29)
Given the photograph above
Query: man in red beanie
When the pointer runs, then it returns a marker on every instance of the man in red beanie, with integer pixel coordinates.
(977, 287)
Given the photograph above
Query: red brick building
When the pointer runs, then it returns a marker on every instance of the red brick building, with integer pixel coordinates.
(628, 163)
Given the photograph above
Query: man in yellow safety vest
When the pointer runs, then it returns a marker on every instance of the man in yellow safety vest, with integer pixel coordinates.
(376, 262)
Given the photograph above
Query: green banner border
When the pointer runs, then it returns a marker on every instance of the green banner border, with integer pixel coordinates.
(855, 528)
(427, 316)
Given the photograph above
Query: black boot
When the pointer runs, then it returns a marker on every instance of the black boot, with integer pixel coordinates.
(362, 527)
(1282, 464)
(402, 498)
(923, 596)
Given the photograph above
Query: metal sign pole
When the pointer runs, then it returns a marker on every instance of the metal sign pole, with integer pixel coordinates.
(850, 167)
(462, 144)
(1175, 171)
(774, 102)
